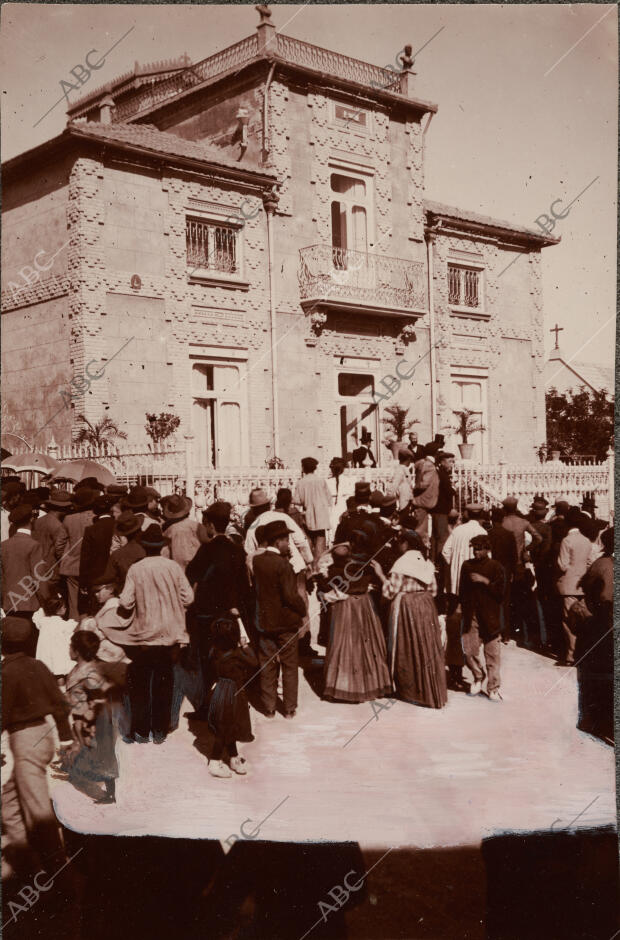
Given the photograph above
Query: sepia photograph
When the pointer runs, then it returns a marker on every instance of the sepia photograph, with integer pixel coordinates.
(308, 345)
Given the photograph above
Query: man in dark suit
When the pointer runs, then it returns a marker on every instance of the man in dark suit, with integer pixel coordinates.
(504, 550)
(95, 550)
(445, 502)
(280, 617)
(24, 572)
(219, 576)
(416, 450)
(75, 523)
(49, 531)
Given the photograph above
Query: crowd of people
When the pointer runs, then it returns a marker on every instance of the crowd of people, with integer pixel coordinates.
(117, 603)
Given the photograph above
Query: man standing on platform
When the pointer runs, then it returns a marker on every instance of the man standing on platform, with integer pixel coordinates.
(280, 617)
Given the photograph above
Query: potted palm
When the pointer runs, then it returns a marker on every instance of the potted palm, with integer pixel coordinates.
(398, 424)
(467, 425)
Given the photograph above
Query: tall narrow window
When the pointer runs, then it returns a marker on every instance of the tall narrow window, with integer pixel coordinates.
(464, 287)
(358, 412)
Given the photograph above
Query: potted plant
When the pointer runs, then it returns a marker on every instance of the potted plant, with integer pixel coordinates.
(467, 425)
(397, 424)
(162, 427)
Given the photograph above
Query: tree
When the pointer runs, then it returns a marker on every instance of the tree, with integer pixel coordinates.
(159, 428)
(397, 422)
(580, 423)
(103, 432)
(467, 424)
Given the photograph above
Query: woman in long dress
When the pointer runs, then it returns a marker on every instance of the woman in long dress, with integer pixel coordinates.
(356, 659)
(415, 652)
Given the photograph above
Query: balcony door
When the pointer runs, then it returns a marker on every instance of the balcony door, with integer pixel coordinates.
(351, 202)
(470, 392)
(358, 412)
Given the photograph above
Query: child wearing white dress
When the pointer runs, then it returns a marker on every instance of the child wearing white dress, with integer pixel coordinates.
(54, 637)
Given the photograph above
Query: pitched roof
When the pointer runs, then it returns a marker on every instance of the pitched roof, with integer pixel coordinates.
(439, 208)
(591, 374)
(149, 137)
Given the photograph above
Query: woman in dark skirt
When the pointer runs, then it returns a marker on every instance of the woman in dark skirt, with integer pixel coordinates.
(356, 659)
(229, 711)
(415, 652)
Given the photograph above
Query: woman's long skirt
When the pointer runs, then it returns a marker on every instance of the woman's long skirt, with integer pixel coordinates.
(356, 660)
(415, 654)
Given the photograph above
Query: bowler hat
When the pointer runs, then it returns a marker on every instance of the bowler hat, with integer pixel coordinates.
(152, 536)
(90, 483)
(116, 489)
(152, 493)
(511, 502)
(83, 498)
(443, 455)
(12, 488)
(138, 498)
(59, 499)
(34, 498)
(376, 499)
(362, 491)
(128, 523)
(539, 502)
(259, 497)
(15, 629)
(176, 506)
(276, 530)
(431, 449)
(21, 514)
(103, 504)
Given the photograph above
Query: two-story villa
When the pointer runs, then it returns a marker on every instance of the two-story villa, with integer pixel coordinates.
(247, 242)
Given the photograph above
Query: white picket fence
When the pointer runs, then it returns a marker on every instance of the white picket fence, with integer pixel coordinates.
(170, 468)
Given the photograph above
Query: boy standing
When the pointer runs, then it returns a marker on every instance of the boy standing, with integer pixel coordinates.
(280, 616)
(480, 592)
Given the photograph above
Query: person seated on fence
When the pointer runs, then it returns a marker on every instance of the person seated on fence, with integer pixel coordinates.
(93, 720)
(232, 663)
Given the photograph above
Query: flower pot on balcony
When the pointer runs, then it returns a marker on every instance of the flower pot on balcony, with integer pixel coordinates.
(396, 447)
(466, 451)
(555, 455)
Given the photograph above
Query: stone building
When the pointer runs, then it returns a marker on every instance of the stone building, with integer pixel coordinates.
(247, 242)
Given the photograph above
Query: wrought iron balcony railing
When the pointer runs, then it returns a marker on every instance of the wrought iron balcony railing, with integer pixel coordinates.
(285, 48)
(356, 279)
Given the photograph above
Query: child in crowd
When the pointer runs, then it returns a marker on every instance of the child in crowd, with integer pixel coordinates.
(93, 725)
(229, 711)
(109, 628)
(54, 637)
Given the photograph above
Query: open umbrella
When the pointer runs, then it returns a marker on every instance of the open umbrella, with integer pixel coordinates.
(76, 470)
(34, 462)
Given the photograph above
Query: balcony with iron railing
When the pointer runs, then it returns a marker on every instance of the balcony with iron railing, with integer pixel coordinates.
(284, 48)
(362, 282)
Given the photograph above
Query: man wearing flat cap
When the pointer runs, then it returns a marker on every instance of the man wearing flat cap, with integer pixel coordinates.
(280, 618)
(480, 592)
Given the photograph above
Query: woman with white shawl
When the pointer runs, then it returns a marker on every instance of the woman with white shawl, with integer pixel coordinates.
(415, 653)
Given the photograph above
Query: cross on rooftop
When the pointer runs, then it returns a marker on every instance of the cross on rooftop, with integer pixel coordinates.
(557, 330)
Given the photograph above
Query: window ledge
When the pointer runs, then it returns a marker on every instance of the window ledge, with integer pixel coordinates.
(217, 279)
(473, 312)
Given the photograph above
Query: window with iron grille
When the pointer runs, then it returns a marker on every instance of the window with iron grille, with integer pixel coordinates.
(463, 287)
(211, 247)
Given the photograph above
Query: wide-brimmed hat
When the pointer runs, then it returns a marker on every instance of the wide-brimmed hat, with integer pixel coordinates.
(511, 502)
(22, 513)
(138, 498)
(431, 449)
(276, 530)
(59, 499)
(443, 455)
(152, 536)
(128, 523)
(103, 504)
(152, 493)
(35, 497)
(176, 506)
(12, 488)
(108, 577)
(117, 490)
(15, 629)
(83, 498)
(90, 483)
(539, 502)
(259, 497)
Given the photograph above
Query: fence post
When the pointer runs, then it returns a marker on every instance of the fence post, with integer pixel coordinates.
(52, 449)
(189, 466)
(503, 485)
(610, 483)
